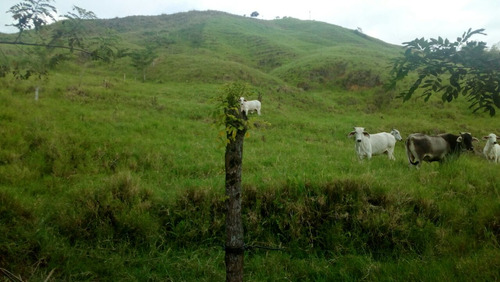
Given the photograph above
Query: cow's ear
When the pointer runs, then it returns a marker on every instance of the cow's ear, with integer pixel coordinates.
(475, 139)
(366, 134)
(486, 137)
(351, 134)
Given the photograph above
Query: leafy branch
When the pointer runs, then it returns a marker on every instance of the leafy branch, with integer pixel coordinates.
(227, 114)
(32, 14)
(49, 46)
(463, 67)
(70, 34)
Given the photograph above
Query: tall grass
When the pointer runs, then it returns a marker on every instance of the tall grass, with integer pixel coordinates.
(112, 177)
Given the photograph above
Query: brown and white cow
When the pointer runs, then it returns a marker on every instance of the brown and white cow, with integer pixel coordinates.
(421, 147)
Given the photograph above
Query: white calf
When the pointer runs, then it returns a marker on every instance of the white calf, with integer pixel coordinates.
(368, 145)
(249, 106)
(492, 150)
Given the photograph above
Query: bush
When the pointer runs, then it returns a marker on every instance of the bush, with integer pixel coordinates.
(19, 247)
(341, 216)
(361, 79)
(119, 211)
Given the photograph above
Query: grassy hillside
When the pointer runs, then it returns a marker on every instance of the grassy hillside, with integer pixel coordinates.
(106, 178)
(213, 47)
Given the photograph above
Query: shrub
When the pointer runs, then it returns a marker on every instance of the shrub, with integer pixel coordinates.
(19, 247)
(119, 211)
(361, 79)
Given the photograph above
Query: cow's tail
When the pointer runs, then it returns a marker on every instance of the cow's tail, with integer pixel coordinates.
(409, 153)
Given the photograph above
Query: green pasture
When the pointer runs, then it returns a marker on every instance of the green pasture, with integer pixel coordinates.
(108, 178)
(127, 181)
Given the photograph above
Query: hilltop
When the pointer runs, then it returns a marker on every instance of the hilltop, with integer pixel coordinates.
(216, 47)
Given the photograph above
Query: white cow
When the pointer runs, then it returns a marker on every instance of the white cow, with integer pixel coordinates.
(368, 145)
(396, 134)
(249, 106)
(492, 150)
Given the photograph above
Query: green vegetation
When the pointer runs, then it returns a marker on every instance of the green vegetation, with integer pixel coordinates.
(463, 67)
(107, 177)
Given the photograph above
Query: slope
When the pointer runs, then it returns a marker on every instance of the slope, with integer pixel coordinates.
(214, 47)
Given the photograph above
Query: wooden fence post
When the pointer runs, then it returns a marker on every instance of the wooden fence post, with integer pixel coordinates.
(235, 245)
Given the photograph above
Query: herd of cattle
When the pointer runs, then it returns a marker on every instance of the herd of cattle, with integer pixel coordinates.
(421, 147)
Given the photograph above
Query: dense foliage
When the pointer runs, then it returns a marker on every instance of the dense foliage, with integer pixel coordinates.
(452, 68)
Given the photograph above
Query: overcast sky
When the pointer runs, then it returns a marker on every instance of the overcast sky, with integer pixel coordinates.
(393, 21)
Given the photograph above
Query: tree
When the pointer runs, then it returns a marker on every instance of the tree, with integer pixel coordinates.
(229, 116)
(32, 14)
(254, 14)
(72, 30)
(463, 67)
(141, 59)
(46, 44)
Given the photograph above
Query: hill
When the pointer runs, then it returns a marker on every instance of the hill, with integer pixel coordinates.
(213, 47)
(109, 177)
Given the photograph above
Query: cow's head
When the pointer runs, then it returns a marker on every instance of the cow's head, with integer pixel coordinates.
(396, 134)
(358, 133)
(491, 138)
(465, 141)
(242, 99)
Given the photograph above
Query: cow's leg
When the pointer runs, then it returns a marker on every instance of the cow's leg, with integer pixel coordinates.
(418, 161)
(415, 161)
(390, 153)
